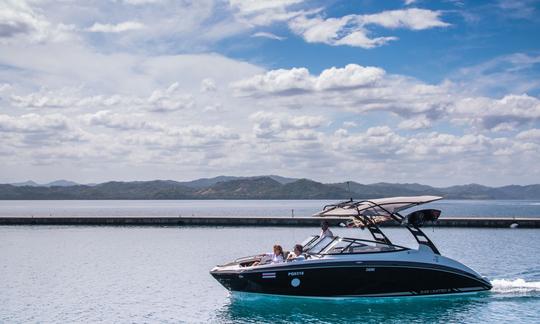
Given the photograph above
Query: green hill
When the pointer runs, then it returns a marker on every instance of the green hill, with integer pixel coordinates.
(264, 187)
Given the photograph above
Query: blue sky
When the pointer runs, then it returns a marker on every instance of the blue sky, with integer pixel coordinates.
(478, 32)
(436, 92)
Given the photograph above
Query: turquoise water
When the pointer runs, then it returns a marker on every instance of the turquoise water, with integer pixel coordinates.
(472, 208)
(160, 275)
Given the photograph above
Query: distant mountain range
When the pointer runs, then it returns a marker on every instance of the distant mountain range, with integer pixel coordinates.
(261, 187)
(57, 183)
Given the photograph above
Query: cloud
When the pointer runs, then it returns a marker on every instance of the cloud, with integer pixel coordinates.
(335, 31)
(193, 137)
(5, 87)
(141, 2)
(208, 85)
(71, 98)
(170, 99)
(369, 89)
(67, 97)
(263, 13)
(112, 73)
(269, 125)
(489, 113)
(134, 26)
(352, 30)
(112, 120)
(115, 28)
(518, 9)
(32, 133)
(531, 134)
(12, 23)
(513, 73)
(214, 108)
(352, 88)
(420, 122)
(33, 123)
(413, 18)
(299, 80)
(259, 5)
(129, 101)
(351, 76)
(18, 19)
(381, 142)
(277, 81)
(268, 35)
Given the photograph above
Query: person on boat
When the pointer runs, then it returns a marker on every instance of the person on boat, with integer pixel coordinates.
(297, 253)
(325, 230)
(276, 257)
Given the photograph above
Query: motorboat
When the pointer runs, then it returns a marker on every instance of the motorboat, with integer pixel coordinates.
(333, 266)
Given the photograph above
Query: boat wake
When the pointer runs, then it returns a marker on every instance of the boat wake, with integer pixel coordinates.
(517, 286)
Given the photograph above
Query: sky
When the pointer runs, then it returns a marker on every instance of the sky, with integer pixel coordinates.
(433, 92)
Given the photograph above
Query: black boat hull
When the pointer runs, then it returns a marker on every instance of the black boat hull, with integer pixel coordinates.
(351, 279)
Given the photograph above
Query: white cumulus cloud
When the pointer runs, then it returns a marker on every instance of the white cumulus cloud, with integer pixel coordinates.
(19, 19)
(353, 30)
(268, 125)
(413, 18)
(33, 123)
(124, 121)
(298, 80)
(420, 122)
(115, 28)
(170, 99)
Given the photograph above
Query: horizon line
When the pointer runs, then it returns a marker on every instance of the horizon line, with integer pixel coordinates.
(262, 176)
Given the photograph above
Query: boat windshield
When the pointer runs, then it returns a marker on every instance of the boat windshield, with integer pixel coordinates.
(309, 242)
(350, 245)
(320, 244)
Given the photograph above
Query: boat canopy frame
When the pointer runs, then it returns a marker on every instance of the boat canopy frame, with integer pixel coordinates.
(368, 220)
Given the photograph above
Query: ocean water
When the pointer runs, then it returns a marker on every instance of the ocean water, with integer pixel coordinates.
(470, 208)
(62, 274)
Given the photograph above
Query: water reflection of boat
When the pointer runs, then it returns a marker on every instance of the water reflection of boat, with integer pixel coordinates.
(350, 267)
(253, 308)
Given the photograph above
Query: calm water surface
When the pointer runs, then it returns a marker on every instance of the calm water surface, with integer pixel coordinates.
(473, 208)
(160, 275)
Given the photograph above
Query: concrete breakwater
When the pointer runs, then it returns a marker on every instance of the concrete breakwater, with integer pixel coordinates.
(493, 222)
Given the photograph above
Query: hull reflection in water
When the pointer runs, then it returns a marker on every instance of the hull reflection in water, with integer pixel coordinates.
(256, 308)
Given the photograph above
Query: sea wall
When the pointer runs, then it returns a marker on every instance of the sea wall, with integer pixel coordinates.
(493, 222)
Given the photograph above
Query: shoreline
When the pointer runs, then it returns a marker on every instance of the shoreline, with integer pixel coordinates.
(472, 222)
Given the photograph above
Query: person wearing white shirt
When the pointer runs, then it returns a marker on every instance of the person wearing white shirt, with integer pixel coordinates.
(325, 230)
(297, 254)
(276, 257)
